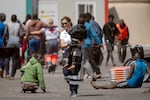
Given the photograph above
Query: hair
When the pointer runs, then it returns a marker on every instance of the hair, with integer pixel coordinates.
(81, 21)
(67, 19)
(28, 16)
(88, 16)
(34, 16)
(14, 18)
(111, 16)
(2, 17)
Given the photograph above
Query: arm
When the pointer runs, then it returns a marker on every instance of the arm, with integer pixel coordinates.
(40, 77)
(148, 70)
(36, 32)
(76, 58)
(95, 36)
(131, 71)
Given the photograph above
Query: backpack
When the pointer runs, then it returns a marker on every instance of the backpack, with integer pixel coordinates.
(97, 29)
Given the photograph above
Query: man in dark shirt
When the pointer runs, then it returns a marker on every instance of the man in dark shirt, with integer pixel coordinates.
(110, 31)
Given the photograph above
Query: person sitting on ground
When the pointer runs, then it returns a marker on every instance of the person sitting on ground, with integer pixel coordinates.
(135, 78)
(32, 75)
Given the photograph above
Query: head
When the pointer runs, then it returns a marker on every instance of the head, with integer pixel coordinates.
(88, 16)
(81, 21)
(66, 23)
(28, 16)
(14, 18)
(111, 18)
(2, 17)
(50, 21)
(35, 16)
(137, 55)
(122, 23)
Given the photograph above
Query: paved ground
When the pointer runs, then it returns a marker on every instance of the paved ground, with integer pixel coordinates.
(58, 89)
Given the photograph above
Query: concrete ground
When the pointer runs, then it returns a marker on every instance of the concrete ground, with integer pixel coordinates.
(58, 89)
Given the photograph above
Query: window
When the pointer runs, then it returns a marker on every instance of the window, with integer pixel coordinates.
(83, 7)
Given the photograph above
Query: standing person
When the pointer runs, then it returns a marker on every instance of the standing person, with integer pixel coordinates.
(86, 48)
(32, 75)
(13, 42)
(122, 39)
(73, 57)
(35, 40)
(52, 44)
(97, 55)
(65, 38)
(24, 42)
(110, 31)
(135, 78)
(3, 28)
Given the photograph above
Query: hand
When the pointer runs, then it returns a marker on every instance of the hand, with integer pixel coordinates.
(71, 67)
(66, 65)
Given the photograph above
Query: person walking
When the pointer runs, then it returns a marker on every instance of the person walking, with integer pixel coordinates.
(13, 43)
(122, 40)
(97, 55)
(86, 48)
(3, 29)
(110, 31)
(51, 35)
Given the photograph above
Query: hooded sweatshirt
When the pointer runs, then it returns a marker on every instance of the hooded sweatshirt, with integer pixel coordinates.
(33, 73)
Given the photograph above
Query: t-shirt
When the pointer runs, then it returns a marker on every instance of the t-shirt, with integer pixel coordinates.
(65, 36)
(51, 33)
(139, 71)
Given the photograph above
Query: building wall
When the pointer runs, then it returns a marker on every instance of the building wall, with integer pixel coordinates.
(137, 17)
(10, 7)
(68, 8)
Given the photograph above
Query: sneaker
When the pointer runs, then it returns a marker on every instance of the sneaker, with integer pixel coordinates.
(74, 95)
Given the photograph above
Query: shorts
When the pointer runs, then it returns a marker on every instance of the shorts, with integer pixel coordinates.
(28, 86)
(109, 46)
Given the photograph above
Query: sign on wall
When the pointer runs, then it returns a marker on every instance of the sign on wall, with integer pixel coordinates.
(47, 11)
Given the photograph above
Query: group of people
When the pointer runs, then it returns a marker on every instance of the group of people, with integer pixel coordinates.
(80, 45)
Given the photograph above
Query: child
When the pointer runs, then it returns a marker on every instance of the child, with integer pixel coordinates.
(135, 78)
(73, 58)
(32, 75)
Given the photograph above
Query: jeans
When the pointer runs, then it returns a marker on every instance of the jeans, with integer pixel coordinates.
(34, 45)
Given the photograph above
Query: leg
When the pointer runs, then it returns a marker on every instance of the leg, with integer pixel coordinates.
(6, 64)
(104, 86)
(112, 58)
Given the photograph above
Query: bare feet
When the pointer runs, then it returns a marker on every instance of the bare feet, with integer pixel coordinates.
(93, 84)
(146, 91)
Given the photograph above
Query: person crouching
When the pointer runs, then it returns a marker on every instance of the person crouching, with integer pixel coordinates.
(32, 75)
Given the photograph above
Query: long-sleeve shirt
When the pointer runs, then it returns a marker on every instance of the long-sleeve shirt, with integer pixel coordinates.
(33, 73)
(90, 34)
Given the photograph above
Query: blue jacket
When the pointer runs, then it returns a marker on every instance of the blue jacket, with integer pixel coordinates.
(90, 34)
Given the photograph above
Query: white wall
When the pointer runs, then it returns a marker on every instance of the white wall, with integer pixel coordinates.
(68, 8)
(10, 7)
